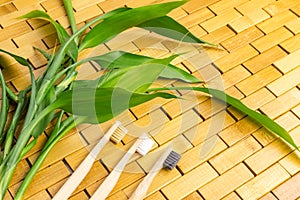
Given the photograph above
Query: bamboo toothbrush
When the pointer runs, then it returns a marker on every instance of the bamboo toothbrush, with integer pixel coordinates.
(115, 134)
(142, 145)
(168, 159)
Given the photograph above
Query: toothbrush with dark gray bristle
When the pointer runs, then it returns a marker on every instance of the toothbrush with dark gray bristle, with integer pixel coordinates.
(168, 159)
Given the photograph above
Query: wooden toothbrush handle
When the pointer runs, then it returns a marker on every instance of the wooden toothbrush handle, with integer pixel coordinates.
(78, 175)
(141, 190)
(109, 183)
(143, 187)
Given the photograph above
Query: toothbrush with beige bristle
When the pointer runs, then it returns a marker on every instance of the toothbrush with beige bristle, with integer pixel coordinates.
(142, 145)
(168, 159)
(115, 134)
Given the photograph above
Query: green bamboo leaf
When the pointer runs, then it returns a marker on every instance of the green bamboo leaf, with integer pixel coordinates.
(170, 28)
(121, 62)
(19, 59)
(24, 62)
(122, 59)
(119, 22)
(62, 34)
(258, 117)
(37, 14)
(4, 107)
(138, 78)
(135, 78)
(44, 53)
(49, 99)
(173, 72)
(101, 104)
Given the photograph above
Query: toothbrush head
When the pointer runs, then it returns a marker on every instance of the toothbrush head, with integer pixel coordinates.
(172, 160)
(145, 145)
(119, 133)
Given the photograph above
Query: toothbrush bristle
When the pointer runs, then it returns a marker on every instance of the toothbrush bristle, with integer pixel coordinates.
(145, 146)
(118, 134)
(172, 160)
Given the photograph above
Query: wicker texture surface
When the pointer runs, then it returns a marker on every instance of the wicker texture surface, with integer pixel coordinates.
(259, 61)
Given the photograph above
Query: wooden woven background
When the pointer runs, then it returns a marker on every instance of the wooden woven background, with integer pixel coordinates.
(260, 64)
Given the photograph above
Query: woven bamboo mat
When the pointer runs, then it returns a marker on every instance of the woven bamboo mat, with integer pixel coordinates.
(259, 61)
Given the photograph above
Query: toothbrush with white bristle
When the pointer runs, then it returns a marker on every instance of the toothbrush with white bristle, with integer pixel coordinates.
(142, 145)
(115, 134)
(168, 159)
